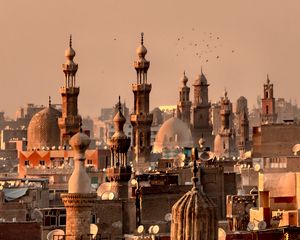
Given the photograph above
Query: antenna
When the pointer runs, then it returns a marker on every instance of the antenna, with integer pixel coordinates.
(93, 230)
(56, 234)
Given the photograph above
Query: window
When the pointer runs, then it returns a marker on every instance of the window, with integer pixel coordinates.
(42, 162)
(26, 163)
(89, 161)
(267, 109)
(62, 220)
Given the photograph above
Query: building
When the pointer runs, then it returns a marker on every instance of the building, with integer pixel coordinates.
(268, 114)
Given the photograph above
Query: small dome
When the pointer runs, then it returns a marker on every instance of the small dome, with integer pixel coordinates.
(43, 129)
(80, 142)
(200, 80)
(70, 53)
(184, 79)
(141, 51)
(174, 132)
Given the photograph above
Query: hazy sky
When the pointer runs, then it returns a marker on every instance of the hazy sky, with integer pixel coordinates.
(246, 40)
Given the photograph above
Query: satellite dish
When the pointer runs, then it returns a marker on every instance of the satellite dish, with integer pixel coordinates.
(111, 196)
(248, 207)
(56, 234)
(155, 229)
(221, 234)
(262, 225)
(150, 229)
(37, 215)
(168, 217)
(140, 229)
(257, 167)
(250, 226)
(93, 230)
(296, 149)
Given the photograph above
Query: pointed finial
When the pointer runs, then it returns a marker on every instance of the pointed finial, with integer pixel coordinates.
(142, 38)
(225, 93)
(119, 104)
(184, 73)
(268, 79)
(195, 168)
(80, 125)
(201, 71)
(49, 101)
(70, 44)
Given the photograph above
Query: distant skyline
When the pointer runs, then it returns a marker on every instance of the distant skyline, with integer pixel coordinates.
(239, 43)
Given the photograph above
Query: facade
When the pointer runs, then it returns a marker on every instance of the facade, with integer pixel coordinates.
(141, 118)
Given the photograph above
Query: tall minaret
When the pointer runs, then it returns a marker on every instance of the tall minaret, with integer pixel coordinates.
(70, 120)
(79, 200)
(184, 103)
(268, 114)
(201, 111)
(141, 118)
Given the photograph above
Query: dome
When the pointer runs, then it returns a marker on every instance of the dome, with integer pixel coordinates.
(141, 51)
(194, 215)
(43, 129)
(200, 79)
(173, 133)
(80, 142)
(70, 53)
(184, 79)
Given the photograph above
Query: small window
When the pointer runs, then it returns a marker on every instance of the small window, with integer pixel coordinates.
(62, 220)
(26, 163)
(42, 162)
(89, 161)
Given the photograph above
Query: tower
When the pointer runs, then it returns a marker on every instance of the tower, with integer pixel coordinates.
(69, 123)
(224, 144)
(141, 118)
(184, 103)
(119, 172)
(242, 125)
(268, 114)
(201, 111)
(79, 200)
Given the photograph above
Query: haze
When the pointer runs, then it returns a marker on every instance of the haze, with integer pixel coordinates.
(249, 39)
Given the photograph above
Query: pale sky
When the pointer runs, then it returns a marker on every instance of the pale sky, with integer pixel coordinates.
(246, 40)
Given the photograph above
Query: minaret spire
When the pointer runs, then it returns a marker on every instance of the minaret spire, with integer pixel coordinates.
(70, 43)
(195, 169)
(142, 38)
(49, 101)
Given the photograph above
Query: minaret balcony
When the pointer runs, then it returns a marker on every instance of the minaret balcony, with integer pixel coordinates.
(141, 118)
(139, 87)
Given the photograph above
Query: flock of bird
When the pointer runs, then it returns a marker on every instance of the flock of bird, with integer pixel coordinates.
(206, 48)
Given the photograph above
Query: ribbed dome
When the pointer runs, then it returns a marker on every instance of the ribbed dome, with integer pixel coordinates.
(43, 130)
(173, 132)
(194, 215)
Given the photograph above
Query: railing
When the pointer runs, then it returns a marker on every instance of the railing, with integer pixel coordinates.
(88, 237)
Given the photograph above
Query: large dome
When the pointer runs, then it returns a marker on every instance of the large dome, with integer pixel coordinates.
(43, 130)
(173, 133)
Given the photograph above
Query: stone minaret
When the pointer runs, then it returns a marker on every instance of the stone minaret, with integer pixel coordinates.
(242, 121)
(201, 111)
(184, 103)
(224, 144)
(70, 120)
(79, 200)
(194, 214)
(119, 172)
(268, 114)
(141, 118)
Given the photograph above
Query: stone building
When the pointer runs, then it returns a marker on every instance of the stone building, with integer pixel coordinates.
(184, 103)
(141, 118)
(268, 114)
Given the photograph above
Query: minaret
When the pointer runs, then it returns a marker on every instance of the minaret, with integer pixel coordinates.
(119, 172)
(70, 120)
(141, 118)
(268, 114)
(194, 214)
(79, 200)
(201, 111)
(224, 145)
(184, 103)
